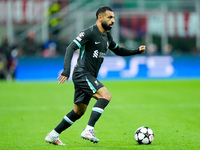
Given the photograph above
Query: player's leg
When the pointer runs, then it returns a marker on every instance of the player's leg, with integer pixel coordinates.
(93, 88)
(103, 97)
(71, 117)
(81, 101)
(67, 121)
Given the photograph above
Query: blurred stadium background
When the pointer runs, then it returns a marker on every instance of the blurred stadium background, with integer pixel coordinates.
(33, 37)
(35, 34)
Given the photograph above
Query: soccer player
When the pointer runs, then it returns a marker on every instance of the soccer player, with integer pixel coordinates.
(93, 43)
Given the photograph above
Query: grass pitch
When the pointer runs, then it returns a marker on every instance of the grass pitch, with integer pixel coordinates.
(170, 108)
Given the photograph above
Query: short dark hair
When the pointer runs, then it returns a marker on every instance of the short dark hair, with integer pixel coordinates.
(102, 9)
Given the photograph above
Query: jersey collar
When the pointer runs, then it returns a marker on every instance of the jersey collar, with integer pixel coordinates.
(95, 26)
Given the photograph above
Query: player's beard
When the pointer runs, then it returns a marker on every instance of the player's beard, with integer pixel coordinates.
(106, 26)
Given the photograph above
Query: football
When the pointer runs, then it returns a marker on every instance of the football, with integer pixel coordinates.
(144, 135)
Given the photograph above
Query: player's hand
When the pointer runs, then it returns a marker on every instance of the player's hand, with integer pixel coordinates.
(62, 79)
(142, 48)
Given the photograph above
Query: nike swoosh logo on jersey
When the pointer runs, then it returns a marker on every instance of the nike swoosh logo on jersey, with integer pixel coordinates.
(97, 42)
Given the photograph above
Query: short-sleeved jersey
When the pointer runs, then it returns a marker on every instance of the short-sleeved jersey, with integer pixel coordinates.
(93, 45)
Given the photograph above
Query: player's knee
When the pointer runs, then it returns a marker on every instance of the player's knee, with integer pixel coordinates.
(79, 112)
(107, 96)
(102, 93)
(80, 109)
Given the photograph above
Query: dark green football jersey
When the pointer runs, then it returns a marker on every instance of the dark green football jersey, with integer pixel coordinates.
(93, 45)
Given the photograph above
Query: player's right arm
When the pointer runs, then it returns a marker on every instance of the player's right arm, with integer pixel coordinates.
(77, 43)
(67, 62)
(68, 57)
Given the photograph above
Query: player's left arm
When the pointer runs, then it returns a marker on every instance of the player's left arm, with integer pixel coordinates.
(121, 51)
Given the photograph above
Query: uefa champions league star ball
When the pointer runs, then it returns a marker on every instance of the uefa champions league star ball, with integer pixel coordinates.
(144, 135)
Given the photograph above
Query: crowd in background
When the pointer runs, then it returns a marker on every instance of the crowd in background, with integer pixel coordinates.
(9, 54)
